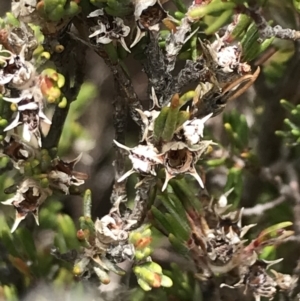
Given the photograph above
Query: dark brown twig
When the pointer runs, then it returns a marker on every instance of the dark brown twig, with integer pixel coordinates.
(70, 63)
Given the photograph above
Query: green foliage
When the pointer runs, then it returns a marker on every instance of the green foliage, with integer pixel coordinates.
(292, 134)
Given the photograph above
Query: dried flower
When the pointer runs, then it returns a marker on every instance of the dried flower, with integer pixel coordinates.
(17, 72)
(22, 37)
(62, 175)
(27, 199)
(224, 58)
(109, 231)
(29, 114)
(148, 117)
(193, 129)
(108, 29)
(107, 247)
(285, 282)
(217, 238)
(256, 279)
(148, 15)
(178, 159)
(17, 151)
(144, 158)
(25, 10)
(229, 78)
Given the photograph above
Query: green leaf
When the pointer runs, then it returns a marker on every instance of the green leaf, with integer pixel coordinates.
(161, 220)
(177, 228)
(177, 212)
(178, 245)
(27, 243)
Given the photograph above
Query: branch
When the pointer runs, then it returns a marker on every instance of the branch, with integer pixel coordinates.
(70, 63)
(260, 209)
(125, 88)
(141, 201)
(155, 68)
(119, 193)
(266, 31)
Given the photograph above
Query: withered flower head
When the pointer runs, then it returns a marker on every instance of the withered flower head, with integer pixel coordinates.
(222, 247)
(109, 231)
(148, 117)
(62, 175)
(108, 29)
(227, 57)
(144, 158)
(29, 114)
(24, 10)
(15, 71)
(106, 247)
(27, 199)
(17, 151)
(193, 129)
(20, 37)
(285, 282)
(178, 159)
(218, 238)
(148, 15)
(224, 58)
(256, 279)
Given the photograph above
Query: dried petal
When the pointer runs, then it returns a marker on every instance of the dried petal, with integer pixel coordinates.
(108, 29)
(62, 176)
(144, 158)
(18, 72)
(193, 129)
(178, 158)
(17, 151)
(148, 15)
(27, 199)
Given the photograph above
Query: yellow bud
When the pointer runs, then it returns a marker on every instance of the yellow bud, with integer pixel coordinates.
(63, 103)
(13, 107)
(46, 55)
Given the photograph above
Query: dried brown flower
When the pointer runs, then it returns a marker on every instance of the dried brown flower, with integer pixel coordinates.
(27, 199)
(62, 175)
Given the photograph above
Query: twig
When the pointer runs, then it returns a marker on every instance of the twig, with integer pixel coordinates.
(119, 193)
(73, 55)
(294, 187)
(260, 209)
(155, 68)
(175, 41)
(192, 72)
(266, 31)
(125, 88)
(141, 200)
